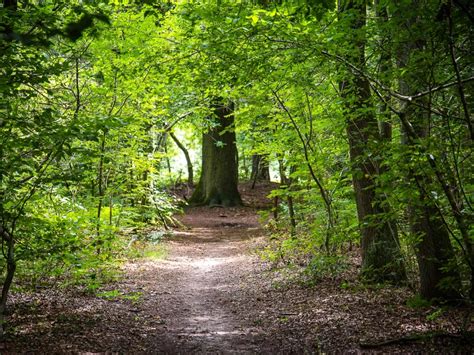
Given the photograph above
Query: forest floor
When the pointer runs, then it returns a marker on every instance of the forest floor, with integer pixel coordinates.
(212, 293)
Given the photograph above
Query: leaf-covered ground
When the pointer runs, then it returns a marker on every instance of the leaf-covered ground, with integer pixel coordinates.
(213, 294)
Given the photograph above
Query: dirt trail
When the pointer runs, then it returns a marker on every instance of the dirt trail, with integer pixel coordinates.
(200, 283)
(209, 295)
(212, 294)
(206, 296)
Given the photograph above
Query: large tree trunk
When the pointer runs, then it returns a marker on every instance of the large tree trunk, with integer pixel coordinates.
(435, 255)
(385, 64)
(439, 276)
(381, 255)
(219, 176)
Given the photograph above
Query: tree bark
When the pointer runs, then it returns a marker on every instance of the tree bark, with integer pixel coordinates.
(189, 164)
(6, 238)
(100, 182)
(286, 181)
(381, 255)
(219, 177)
(9, 240)
(385, 63)
(260, 169)
(439, 276)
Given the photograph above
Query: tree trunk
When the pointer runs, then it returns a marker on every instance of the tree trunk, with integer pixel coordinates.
(434, 252)
(381, 255)
(8, 242)
(260, 169)
(219, 176)
(100, 182)
(286, 181)
(464, 220)
(439, 276)
(385, 63)
(189, 164)
(6, 238)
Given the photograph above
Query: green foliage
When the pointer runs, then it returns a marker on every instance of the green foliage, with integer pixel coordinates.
(323, 266)
(134, 297)
(436, 314)
(79, 158)
(90, 90)
(418, 302)
(64, 247)
(147, 244)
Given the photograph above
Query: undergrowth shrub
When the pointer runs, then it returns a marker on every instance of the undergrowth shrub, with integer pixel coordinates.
(312, 244)
(325, 266)
(62, 243)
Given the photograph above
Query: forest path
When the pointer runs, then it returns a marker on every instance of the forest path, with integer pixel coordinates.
(201, 304)
(212, 294)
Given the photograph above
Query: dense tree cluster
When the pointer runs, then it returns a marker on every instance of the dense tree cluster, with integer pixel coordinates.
(362, 110)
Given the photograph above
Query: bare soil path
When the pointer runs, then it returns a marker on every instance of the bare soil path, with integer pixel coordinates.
(201, 283)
